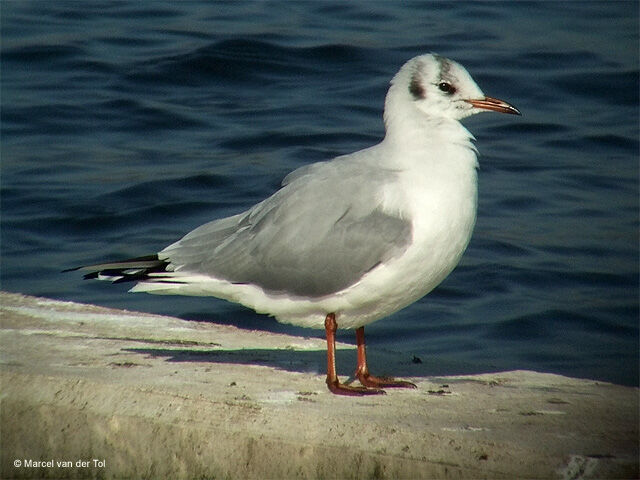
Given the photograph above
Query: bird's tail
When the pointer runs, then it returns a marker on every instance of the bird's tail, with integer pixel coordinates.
(131, 270)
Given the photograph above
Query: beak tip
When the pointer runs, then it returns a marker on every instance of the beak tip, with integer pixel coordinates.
(495, 105)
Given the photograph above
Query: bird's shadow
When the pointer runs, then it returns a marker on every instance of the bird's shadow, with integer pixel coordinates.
(380, 361)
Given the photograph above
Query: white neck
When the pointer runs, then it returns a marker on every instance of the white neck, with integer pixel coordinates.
(411, 130)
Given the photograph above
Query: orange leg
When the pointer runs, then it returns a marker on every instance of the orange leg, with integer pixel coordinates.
(330, 326)
(362, 371)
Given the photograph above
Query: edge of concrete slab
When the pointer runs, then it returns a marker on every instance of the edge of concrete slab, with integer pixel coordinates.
(93, 392)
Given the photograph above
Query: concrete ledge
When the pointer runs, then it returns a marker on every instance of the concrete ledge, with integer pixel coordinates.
(143, 396)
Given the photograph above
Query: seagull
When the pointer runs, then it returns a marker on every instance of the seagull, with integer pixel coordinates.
(349, 241)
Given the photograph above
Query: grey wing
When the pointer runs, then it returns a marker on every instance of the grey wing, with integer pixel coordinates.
(316, 236)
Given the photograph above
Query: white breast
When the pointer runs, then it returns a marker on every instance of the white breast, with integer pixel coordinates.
(440, 199)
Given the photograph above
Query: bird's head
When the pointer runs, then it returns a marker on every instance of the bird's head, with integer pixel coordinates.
(441, 88)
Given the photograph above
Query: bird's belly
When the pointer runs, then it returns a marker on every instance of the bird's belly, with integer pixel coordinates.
(442, 225)
(439, 242)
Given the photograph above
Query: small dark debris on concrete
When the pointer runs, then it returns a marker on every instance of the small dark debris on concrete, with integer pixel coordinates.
(124, 364)
(305, 399)
(443, 390)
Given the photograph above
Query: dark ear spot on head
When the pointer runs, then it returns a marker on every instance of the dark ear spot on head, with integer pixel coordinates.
(415, 88)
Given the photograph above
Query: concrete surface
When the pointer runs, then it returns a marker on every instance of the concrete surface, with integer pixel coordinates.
(91, 392)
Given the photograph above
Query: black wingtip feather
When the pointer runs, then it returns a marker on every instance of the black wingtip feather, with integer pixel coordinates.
(130, 270)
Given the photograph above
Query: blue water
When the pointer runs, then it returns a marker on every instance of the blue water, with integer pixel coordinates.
(126, 124)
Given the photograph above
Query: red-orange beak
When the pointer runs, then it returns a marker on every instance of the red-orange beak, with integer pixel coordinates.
(489, 103)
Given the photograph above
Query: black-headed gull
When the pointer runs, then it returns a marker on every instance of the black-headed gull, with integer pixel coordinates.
(346, 242)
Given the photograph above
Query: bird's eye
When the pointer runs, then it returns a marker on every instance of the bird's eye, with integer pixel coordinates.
(446, 88)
